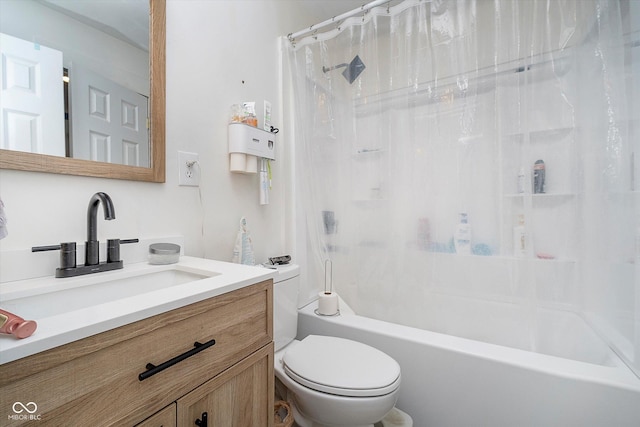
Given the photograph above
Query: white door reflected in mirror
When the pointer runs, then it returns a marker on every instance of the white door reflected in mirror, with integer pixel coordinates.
(32, 100)
(109, 122)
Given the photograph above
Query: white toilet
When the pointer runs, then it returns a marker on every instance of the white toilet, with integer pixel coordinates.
(330, 381)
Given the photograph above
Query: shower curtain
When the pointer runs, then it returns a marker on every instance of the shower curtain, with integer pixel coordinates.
(450, 152)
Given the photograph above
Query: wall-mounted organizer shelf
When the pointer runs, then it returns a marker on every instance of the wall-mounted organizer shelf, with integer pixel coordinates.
(246, 145)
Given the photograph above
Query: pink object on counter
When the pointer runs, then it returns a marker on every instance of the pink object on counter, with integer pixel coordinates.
(16, 325)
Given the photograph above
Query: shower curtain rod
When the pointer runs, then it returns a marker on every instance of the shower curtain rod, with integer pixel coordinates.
(337, 19)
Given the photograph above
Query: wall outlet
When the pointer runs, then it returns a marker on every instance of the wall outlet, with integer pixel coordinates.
(188, 169)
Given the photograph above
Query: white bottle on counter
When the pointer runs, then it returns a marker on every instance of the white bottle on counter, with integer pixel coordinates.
(520, 238)
(462, 237)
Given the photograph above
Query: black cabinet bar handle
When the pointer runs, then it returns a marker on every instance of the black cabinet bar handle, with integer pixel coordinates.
(153, 369)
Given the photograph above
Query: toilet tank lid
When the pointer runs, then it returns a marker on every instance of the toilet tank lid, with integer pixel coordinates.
(285, 272)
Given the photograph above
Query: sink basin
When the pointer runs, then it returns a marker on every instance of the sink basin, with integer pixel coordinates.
(66, 295)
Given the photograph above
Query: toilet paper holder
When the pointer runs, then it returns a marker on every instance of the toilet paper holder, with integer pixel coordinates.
(330, 264)
(327, 299)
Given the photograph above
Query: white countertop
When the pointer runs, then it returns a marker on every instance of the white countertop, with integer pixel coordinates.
(59, 329)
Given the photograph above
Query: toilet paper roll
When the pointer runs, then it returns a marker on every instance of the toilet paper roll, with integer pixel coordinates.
(252, 164)
(237, 162)
(328, 303)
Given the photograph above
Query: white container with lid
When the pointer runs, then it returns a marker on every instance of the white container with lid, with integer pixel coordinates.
(164, 253)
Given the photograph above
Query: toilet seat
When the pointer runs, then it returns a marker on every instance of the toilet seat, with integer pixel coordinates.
(341, 367)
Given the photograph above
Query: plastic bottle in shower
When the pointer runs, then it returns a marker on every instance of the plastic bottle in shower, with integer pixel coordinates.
(539, 173)
(521, 180)
(519, 238)
(462, 236)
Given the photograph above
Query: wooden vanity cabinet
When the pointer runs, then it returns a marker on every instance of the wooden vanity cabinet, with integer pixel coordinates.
(96, 381)
(240, 396)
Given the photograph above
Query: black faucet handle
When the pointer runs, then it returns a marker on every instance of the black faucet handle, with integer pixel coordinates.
(113, 248)
(67, 253)
(129, 241)
(45, 248)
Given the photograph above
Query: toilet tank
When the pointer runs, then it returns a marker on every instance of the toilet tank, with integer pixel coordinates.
(285, 304)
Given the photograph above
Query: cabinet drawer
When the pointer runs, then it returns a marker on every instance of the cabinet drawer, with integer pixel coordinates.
(95, 381)
(164, 418)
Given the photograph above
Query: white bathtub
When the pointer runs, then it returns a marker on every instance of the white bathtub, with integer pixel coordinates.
(573, 378)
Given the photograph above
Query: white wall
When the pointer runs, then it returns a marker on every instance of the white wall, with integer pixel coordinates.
(212, 46)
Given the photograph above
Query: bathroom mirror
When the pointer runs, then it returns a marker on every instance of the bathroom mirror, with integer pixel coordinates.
(19, 160)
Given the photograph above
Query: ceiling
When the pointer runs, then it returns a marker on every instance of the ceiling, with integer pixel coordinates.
(125, 20)
(132, 25)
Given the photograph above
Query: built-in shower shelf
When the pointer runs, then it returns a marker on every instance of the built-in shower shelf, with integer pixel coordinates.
(541, 135)
(616, 195)
(541, 196)
(500, 258)
(371, 201)
(337, 249)
(554, 260)
(367, 152)
(377, 244)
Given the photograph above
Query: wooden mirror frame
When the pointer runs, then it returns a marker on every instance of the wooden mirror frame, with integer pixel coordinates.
(156, 173)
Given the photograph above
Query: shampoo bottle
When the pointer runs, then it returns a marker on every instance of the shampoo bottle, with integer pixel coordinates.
(16, 325)
(539, 172)
(462, 237)
(519, 238)
(520, 182)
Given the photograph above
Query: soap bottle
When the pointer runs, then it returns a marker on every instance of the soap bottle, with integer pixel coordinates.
(424, 233)
(519, 238)
(462, 237)
(521, 179)
(16, 325)
(539, 173)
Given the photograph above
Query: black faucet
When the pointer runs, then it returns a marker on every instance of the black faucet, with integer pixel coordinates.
(92, 248)
(92, 264)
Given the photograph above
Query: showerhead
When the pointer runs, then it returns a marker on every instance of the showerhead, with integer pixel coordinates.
(352, 69)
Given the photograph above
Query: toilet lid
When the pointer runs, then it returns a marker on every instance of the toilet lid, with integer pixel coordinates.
(341, 367)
